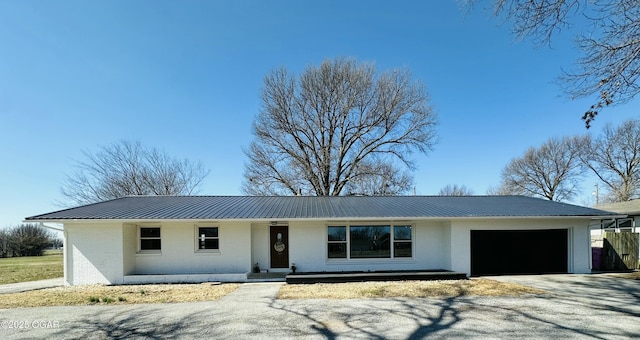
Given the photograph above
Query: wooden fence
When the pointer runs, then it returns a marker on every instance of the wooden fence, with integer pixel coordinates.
(620, 250)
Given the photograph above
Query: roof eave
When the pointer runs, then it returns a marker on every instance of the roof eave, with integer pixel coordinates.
(327, 219)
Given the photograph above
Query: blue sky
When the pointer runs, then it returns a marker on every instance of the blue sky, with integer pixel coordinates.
(185, 76)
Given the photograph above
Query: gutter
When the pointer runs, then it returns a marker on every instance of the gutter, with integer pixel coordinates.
(42, 224)
(323, 219)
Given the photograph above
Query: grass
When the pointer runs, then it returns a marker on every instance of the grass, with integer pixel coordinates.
(132, 294)
(411, 289)
(167, 293)
(633, 275)
(31, 268)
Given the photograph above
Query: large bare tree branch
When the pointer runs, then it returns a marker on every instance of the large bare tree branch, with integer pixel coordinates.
(335, 123)
(609, 40)
(128, 168)
(614, 156)
(550, 171)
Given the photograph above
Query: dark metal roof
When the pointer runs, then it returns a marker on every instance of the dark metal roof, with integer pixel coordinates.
(317, 207)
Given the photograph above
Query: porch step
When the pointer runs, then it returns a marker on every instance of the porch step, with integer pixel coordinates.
(337, 277)
(269, 276)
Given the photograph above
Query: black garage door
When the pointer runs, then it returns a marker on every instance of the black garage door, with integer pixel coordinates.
(495, 252)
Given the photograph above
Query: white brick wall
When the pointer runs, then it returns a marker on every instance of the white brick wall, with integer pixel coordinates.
(94, 253)
(180, 256)
(105, 253)
(308, 249)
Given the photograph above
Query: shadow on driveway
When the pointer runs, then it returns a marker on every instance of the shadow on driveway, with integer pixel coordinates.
(577, 306)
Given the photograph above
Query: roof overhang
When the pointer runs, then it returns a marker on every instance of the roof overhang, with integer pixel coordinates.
(329, 219)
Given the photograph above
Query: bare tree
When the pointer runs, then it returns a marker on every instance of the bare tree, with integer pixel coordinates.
(609, 67)
(501, 190)
(550, 171)
(614, 156)
(455, 190)
(336, 125)
(379, 179)
(128, 168)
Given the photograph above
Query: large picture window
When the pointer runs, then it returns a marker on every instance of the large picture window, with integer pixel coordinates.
(369, 241)
(150, 238)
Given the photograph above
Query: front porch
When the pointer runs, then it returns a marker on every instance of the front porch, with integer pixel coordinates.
(183, 278)
(301, 277)
(398, 275)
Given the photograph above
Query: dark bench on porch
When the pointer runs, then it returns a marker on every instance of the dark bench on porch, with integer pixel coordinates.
(355, 276)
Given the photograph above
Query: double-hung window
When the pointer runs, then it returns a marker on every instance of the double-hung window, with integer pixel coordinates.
(207, 238)
(150, 239)
(402, 241)
(337, 242)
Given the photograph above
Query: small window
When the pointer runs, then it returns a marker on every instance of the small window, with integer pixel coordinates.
(208, 238)
(625, 223)
(337, 242)
(402, 245)
(150, 239)
(607, 224)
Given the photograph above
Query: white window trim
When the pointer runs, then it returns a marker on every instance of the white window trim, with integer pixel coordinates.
(392, 257)
(139, 241)
(196, 239)
(608, 225)
(622, 220)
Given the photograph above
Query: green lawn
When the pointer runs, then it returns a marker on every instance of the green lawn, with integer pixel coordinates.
(31, 268)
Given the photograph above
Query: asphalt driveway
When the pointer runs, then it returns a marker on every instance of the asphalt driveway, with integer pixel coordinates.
(578, 306)
(30, 285)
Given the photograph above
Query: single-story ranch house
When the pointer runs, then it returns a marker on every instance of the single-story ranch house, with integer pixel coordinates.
(145, 239)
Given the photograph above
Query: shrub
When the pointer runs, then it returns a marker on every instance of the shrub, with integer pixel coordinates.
(6, 249)
(26, 240)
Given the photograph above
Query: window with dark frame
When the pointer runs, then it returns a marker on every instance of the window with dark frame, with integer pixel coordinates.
(625, 223)
(608, 224)
(402, 241)
(369, 241)
(150, 238)
(337, 242)
(208, 238)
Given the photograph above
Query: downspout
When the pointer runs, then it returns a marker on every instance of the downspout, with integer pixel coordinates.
(65, 258)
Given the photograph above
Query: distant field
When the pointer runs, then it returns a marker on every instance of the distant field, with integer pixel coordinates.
(31, 268)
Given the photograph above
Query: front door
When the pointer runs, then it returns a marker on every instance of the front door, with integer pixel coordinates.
(279, 247)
